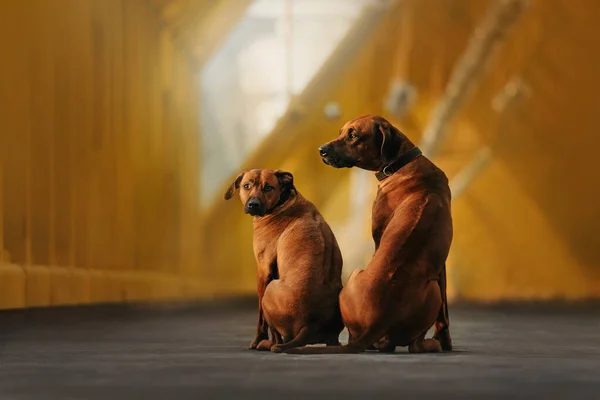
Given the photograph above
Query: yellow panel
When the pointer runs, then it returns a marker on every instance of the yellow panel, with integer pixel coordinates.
(519, 265)
(526, 228)
(63, 287)
(100, 169)
(12, 286)
(38, 292)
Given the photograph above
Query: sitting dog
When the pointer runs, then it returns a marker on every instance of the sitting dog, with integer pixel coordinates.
(299, 263)
(402, 292)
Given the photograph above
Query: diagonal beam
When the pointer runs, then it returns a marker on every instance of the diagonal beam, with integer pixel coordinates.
(486, 39)
(160, 5)
(462, 180)
(217, 22)
(200, 26)
(504, 104)
(182, 16)
(290, 130)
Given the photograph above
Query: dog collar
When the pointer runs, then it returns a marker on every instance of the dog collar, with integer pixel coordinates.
(404, 159)
(285, 196)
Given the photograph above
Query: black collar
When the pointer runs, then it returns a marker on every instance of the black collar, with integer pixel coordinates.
(283, 197)
(400, 162)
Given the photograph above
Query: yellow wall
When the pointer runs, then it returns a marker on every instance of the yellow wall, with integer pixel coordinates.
(98, 153)
(527, 226)
(99, 150)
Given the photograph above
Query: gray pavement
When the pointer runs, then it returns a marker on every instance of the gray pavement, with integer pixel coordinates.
(200, 353)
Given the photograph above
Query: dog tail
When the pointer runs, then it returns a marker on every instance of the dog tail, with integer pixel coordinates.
(358, 346)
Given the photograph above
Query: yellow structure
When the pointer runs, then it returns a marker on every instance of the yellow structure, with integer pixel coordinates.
(100, 151)
(99, 148)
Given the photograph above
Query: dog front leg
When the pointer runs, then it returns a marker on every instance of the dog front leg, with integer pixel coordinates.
(262, 329)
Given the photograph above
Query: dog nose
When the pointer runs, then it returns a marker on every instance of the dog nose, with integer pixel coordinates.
(253, 204)
(323, 151)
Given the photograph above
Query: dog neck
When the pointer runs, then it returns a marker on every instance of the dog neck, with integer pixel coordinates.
(284, 199)
(400, 162)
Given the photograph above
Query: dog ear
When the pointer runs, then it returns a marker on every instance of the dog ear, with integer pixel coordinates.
(234, 186)
(390, 142)
(286, 179)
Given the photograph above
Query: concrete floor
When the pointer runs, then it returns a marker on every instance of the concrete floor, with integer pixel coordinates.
(116, 353)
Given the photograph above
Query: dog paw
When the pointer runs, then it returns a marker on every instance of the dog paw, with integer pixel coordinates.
(276, 349)
(425, 346)
(257, 341)
(433, 346)
(265, 345)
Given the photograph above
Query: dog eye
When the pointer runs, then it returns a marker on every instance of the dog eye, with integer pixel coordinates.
(246, 186)
(268, 188)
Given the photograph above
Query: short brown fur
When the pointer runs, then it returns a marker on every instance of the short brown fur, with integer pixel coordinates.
(299, 263)
(402, 292)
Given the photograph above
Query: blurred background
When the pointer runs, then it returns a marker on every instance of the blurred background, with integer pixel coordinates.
(122, 123)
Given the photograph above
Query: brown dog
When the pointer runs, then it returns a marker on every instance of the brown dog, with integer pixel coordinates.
(299, 263)
(402, 292)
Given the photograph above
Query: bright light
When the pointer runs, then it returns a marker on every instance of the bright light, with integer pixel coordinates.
(273, 53)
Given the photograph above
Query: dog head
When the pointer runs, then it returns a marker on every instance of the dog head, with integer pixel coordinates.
(369, 142)
(261, 190)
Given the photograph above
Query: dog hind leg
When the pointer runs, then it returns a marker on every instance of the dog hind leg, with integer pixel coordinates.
(333, 340)
(299, 341)
(442, 323)
(265, 345)
(330, 334)
(276, 336)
